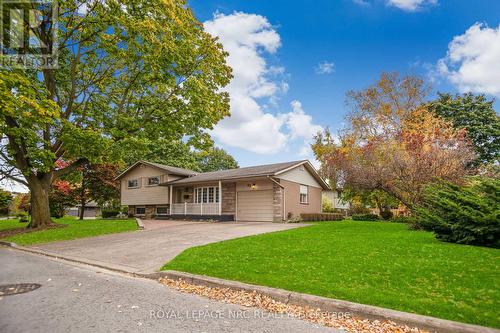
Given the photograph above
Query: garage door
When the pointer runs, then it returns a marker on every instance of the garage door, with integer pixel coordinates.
(255, 206)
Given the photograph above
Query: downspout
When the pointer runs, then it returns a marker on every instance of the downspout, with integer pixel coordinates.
(283, 195)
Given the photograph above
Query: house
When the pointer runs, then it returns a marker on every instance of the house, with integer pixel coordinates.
(92, 210)
(334, 197)
(273, 192)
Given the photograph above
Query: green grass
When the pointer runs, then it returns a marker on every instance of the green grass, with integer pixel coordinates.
(74, 229)
(11, 224)
(376, 263)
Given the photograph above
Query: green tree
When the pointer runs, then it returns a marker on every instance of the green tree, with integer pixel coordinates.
(476, 114)
(216, 159)
(175, 153)
(5, 201)
(130, 72)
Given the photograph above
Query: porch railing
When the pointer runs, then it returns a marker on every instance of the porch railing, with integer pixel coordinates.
(188, 208)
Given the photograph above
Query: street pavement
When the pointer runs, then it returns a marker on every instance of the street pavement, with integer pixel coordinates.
(81, 298)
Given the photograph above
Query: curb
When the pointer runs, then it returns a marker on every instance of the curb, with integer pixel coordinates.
(73, 259)
(331, 305)
(139, 222)
(287, 297)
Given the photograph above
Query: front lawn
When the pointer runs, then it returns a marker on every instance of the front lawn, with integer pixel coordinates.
(376, 263)
(74, 229)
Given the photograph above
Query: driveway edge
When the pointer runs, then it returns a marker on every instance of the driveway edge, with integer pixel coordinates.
(140, 224)
(330, 304)
(115, 268)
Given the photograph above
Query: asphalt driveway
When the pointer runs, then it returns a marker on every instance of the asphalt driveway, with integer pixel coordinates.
(146, 251)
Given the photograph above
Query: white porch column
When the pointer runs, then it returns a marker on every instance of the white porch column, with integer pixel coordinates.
(170, 201)
(220, 197)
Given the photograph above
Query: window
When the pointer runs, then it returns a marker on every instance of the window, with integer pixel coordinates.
(162, 210)
(153, 181)
(133, 183)
(206, 194)
(304, 194)
(140, 210)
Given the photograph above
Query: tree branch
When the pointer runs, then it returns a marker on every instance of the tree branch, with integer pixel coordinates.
(67, 170)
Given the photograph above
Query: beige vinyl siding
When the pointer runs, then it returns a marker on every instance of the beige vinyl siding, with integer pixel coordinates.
(144, 194)
(300, 175)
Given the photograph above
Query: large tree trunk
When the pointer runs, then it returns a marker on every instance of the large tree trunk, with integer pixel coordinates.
(40, 210)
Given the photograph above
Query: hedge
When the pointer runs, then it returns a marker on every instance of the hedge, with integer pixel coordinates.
(365, 217)
(109, 213)
(321, 217)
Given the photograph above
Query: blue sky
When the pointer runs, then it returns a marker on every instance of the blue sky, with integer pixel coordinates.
(284, 43)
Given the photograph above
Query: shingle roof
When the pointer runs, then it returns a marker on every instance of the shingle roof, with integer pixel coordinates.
(257, 171)
(174, 170)
(170, 169)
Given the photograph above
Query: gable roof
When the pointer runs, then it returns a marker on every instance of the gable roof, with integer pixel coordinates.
(248, 172)
(168, 168)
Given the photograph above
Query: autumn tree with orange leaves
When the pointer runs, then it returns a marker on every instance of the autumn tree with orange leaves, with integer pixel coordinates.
(392, 143)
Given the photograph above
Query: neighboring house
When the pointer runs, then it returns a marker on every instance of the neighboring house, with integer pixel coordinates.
(92, 210)
(337, 203)
(273, 192)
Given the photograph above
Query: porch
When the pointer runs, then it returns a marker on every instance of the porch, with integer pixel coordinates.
(197, 201)
(188, 208)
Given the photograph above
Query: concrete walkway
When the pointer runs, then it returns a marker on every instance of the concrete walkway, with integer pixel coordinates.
(146, 251)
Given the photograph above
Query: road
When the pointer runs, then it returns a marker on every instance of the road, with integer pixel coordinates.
(81, 298)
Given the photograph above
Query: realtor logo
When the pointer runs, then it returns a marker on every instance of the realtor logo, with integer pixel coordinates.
(28, 33)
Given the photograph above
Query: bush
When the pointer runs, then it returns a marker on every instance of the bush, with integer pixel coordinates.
(326, 205)
(404, 219)
(357, 209)
(365, 217)
(110, 213)
(468, 214)
(386, 214)
(22, 216)
(321, 217)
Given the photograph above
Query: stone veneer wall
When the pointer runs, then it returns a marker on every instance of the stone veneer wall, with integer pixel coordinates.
(228, 198)
(150, 211)
(277, 203)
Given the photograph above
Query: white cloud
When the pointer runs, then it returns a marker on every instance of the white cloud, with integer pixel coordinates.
(249, 38)
(362, 3)
(300, 123)
(410, 5)
(325, 67)
(473, 60)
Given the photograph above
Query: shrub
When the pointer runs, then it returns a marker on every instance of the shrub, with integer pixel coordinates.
(321, 217)
(404, 219)
(386, 214)
(468, 214)
(357, 209)
(110, 213)
(365, 217)
(326, 205)
(22, 216)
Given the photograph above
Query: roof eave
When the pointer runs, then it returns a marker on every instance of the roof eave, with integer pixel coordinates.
(178, 181)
